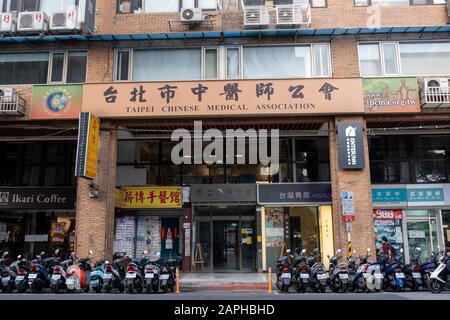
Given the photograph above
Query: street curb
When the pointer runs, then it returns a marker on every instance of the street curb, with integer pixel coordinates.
(223, 287)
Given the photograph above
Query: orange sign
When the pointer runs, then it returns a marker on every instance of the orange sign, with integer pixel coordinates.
(233, 97)
(151, 197)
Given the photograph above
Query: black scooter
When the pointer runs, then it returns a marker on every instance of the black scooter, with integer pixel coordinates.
(284, 272)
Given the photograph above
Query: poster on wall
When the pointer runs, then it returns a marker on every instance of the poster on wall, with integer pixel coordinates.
(125, 233)
(57, 232)
(148, 236)
(274, 227)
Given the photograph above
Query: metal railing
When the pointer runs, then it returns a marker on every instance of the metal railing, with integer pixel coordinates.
(12, 105)
(256, 16)
(434, 95)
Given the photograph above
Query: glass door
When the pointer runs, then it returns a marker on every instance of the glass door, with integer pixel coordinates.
(225, 245)
(421, 234)
(248, 245)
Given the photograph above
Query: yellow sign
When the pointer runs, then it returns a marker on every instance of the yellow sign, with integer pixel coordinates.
(152, 197)
(118, 198)
(92, 149)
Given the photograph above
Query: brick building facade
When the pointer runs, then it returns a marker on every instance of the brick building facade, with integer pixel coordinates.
(335, 42)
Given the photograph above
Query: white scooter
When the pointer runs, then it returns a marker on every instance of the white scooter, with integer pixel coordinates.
(440, 278)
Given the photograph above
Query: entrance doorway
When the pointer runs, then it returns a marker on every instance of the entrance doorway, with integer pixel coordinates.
(226, 236)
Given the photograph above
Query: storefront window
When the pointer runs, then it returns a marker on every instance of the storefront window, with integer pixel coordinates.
(446, 227)
(304, 228)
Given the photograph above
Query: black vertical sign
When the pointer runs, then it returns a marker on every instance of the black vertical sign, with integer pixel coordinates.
(351, 145)
(83, 130)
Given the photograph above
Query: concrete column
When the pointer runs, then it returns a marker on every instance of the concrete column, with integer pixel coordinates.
(358, 182)
(95, 216)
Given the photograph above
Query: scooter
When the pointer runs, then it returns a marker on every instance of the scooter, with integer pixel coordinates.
(167, 275)
(97, 275)
(368, 276)
(440, 278)
(413, 277)
(319, 278)
(38, 278)
(79, 275)
(21, 281)
(393, 274)
(114, 276)
(59, 275)
(339, 277)
(428, 267)
(284, 272)
(9, 274)
(152, 274)
(300, 275)
(133, 278)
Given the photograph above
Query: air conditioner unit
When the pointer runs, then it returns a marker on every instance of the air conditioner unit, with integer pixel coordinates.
(64, 20)
(191, 15)
(6, 92)
(32, 21)
(256, 16)
(8, 22)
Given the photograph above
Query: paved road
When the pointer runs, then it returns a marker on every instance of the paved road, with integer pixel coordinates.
(220, 295)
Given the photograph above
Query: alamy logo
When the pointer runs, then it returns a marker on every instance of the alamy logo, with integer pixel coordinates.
(213, 153)
(4, 197)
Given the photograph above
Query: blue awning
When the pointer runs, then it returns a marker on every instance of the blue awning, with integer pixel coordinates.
(267, 33)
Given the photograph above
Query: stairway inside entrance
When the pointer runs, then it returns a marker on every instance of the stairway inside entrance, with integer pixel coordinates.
(244, 281)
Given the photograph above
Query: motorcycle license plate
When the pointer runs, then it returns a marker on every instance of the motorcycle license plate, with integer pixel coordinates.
(149, 275)
(56, 277)
(304, 275)
(107, 276)
(343, 276)
(130, 275)
(95, 282)
(6, 279)
(378, 276)
(20, 278)
(32, 276)
(321, 276)
(70, 281)
(400, 275)
(286, 275)
(164, 277)
(366, 275)
(417, 275)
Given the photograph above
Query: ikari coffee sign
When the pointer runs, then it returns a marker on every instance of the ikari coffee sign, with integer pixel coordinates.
(56, 101)
(393, 95)
(351, 145)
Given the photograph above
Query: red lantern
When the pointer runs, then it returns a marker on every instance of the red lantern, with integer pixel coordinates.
(175, 233)
(163, 233)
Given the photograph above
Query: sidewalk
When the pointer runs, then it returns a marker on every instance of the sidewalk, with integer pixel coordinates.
(223, 281)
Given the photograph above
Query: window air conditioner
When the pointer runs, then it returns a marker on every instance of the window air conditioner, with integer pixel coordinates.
(64, 20)
(436, 90)
(6, 94)
(32, 21)
(191, 15)
(8, 22)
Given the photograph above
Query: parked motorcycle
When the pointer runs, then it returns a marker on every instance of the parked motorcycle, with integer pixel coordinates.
(440, 278)
(97, 275)
(339, 277)
(413, 277)
(167, 274)
(133, 279)
(152, 273)
(300, 274)
(114, 276)
(319, 278)
(79, 275)
(393, 274)
(284, 272)
(9, 273)
(21, 280)
(368, 276)
(40, 270)
(59, 275)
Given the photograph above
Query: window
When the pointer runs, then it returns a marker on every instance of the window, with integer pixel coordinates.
(282, 62)
(390, 2)
(129, 6)
(369, 60)
(24, 68)
(318, 3)
(49, 6)
(390, 58)
(425, 58)
(207, 4)
(43, 67)
(233, 63)
(139, 6)
(167, 64)
(363, 3)
(20, 5)
(161, 5)
(321, 54)
(123, 61)
(211, 70)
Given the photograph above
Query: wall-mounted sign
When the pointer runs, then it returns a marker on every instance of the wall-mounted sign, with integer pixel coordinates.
(410, 195)
(399, 94)
(351, 145)
(388, 214)
(223, 192)
(87, 149)
(37, 198)
(56, 101)
(294, 193)
(348, 205)
(151, 197)
(213, 98)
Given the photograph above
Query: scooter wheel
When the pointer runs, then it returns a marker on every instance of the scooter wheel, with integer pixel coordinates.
(435, 286)
(54, 288)
(155, 290)
(86, 289)
(122, 289)
(22, 288)
(10, 287)
(70, 290)
(35, 288)
(130, 289)
(108, 289)
(165, 289)
(98, 289)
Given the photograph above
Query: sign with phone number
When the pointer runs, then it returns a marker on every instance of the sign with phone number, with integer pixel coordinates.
(388, 214)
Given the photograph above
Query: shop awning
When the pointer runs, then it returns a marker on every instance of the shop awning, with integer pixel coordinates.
(230, 34)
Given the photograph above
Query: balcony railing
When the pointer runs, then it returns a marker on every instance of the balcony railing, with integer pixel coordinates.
(436, 96)
(12, 105)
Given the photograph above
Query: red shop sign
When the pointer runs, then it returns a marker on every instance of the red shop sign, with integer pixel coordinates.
(388, 214)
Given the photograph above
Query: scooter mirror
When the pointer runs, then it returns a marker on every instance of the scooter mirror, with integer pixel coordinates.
(401, 250)
(288, 250)
(304, 250)
(90, 252)
(368, 249)
(418, 249)
(18, 257)
(56, 251)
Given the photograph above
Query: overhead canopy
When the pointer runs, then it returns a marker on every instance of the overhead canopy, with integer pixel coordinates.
(229, 34)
